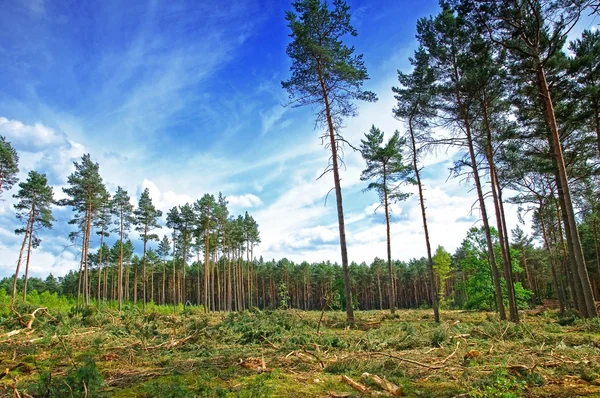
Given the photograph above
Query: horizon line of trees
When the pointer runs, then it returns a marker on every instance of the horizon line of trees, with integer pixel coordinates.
(462, 280)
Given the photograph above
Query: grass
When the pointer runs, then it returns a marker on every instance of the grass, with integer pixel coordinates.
(278, 353)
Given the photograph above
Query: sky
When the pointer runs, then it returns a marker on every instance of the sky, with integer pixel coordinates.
(184, 98)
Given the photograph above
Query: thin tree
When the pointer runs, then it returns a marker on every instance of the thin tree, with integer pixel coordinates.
(327, 75)
(416, 108)
(35, 198)
(387, 172)
(123, 210)
(205, 208)
(146, 218)
(9, 165)
(102, 223)
(86, 193)
(164, 247)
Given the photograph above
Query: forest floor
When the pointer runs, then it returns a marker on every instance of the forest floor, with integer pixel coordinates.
(281, 354)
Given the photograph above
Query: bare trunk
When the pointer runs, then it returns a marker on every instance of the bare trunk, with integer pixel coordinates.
(588, 307)
(500, 220)
(559, 291)
(433, 291)
(338, 196)
(14, 293)
(486, 225)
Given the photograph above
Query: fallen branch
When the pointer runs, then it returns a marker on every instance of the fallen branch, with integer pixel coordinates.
(357, 386)
(171, 343)
(316, 357)
(384, 384)
(460, 336)
(432, 367)
(268, 342)
(449, 356)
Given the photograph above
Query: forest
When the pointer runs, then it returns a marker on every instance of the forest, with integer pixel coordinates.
(196, 312)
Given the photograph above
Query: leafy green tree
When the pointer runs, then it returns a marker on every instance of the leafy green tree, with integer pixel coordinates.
(387, 171)
(327, 75)
(122, 209)
(86, 195)
(441, 264)
(146, 218)
(9, 165)
(34, 209)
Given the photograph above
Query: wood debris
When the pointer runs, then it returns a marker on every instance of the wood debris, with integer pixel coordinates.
(384, 384)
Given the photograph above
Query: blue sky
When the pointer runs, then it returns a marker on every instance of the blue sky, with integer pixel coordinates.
(184, 98)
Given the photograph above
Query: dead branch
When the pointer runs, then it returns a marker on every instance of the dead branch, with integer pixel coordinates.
(269, 343)
(171, 343)
(316, 357)
(357, 386)
(384, 384)
(449, 356)
(424, 365)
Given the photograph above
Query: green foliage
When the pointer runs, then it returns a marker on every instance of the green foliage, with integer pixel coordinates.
(9, 165)
(441, 266)
(83, 380)
(500, 384)
(386, 168)
(284, 297)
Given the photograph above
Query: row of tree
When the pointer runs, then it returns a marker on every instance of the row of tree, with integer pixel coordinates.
(462, 280)
(203, 226)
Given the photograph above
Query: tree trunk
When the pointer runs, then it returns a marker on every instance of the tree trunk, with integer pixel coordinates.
(588, 307)
(486, 225)
(559, 291)
(433, 291)
(206, 274)
(500, 220)
(144, 267)
(338, 196)
(27, 232)
(100, 264)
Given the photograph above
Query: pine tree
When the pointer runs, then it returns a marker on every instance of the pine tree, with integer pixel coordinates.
(35, 198)
(328, 75)
(164, 248)
(86, 194)
(9, 165)
(387, 171)
(416, 108)
(122, 209)
(102, 224)
(205, 208)
(533, 32)
(146, 217)
(585, 68)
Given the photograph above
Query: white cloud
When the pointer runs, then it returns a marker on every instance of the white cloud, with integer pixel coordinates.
(29, 138)
(247, 201)
(42, 148)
